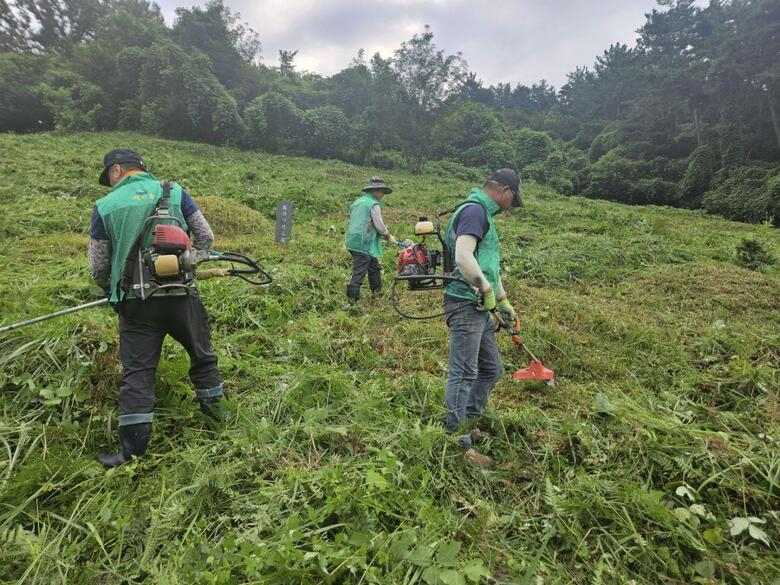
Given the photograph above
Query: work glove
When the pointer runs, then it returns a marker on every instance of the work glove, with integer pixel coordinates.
(488, 301)
(199, 256)
(391, 240)
(506, 315)
(505, 307)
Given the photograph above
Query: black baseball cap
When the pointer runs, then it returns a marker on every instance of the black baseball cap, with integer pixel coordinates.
(119, 156)
(509, 178)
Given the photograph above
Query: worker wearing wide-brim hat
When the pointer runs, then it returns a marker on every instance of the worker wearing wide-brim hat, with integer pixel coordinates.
(365, 233)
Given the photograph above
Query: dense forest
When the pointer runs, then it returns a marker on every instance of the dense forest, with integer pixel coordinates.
(689, 117)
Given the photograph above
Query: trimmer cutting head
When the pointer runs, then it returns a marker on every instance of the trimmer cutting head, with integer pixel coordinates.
(536, 371)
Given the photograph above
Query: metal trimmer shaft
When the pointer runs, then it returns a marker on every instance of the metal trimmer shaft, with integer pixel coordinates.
(53, 315)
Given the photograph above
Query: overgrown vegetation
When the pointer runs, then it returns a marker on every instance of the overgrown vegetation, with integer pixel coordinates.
(688, 117)
(654, 459)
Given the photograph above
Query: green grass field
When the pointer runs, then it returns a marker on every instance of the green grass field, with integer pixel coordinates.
(655, 459)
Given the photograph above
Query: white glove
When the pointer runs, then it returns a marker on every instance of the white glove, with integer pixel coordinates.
(199, 256)
(391, 240)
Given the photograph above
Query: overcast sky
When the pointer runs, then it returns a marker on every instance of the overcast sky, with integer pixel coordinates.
(501, 40)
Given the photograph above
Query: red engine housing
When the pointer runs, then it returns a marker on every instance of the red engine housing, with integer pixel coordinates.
(413, 260)
(168, 238)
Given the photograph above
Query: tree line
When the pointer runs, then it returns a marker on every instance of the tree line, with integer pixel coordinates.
(689, 117)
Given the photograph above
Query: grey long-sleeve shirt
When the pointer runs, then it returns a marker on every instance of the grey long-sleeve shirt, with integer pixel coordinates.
(379, 224)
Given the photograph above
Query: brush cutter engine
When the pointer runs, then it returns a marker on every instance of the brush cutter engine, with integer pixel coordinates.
(161, 261)
(418, 260)
(167, 266)
(417, 264)
(170, 255)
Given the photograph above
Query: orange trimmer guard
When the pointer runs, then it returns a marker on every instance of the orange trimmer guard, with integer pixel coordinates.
(536, 371)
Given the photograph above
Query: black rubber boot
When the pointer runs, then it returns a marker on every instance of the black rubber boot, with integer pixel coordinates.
(375, 282)
(353, 292)
(134, 440)
(212, 407)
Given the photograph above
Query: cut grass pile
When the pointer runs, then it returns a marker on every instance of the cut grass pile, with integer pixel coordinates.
(655, 459)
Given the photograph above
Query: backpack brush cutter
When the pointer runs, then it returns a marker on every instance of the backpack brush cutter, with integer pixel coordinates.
(162, 262)
(247, 274)
(417, 265)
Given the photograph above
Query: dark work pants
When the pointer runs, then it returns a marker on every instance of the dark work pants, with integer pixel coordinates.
(143, 326)
(362, 264)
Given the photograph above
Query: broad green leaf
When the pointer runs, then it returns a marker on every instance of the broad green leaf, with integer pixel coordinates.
(359, 539)
(713, 536)
(685, 491)
(452, 577)
(375, 479)
(421, 555)
(698, 509)
(758, 534)
(682, 514)
(447, 553)
(705, 568)
(431, 575)
(738, 525)
(475, 570)
(603, 404)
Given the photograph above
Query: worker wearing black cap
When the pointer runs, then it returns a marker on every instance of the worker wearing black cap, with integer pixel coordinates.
(117, 222)
(474, 361)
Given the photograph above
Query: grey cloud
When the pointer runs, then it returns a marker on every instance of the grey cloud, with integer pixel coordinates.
(504, 40)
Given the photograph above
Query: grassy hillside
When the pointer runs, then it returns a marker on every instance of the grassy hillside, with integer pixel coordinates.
(333, 467)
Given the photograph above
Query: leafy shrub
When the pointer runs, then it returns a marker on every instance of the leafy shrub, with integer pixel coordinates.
(579, 169)
(493, 154)
(558, 123)
(328, 131)
(612, 177)
(531, 147)
(773, 194)
(743, 196)
(182, 98)
(656, 191)
(21, 106)
(586, 135)
(470, 125)
(453, 170)
(386, 159)
(698, 175)
(607, 140)
(752, 255)
(274, 122)
(74, 102)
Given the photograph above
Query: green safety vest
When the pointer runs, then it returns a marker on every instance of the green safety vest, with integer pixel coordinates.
(124, 211)
(361, 233)
(487, 253)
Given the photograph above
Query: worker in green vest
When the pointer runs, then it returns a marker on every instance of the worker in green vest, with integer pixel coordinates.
(117, 221)
(365, 233)
(474, 361)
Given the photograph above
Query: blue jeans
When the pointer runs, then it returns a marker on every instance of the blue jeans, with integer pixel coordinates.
(474, 365)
